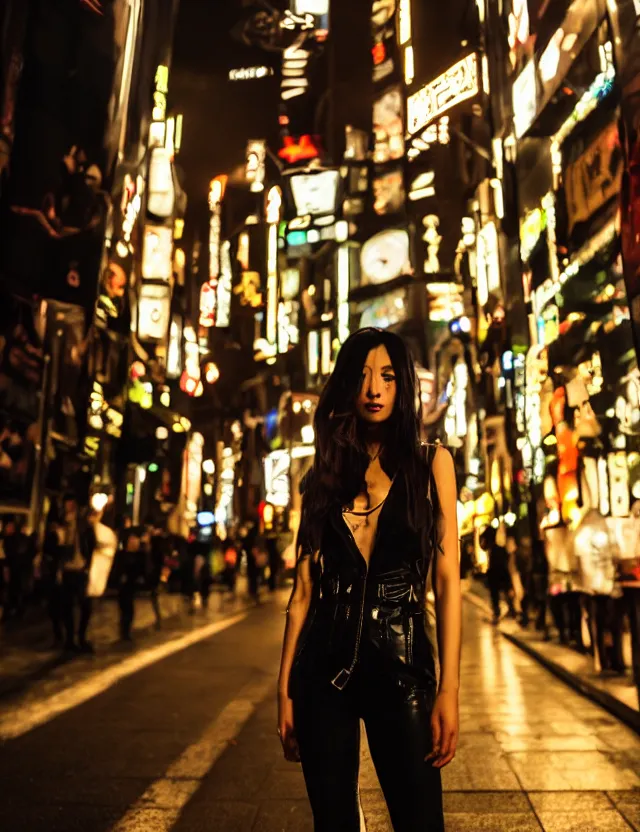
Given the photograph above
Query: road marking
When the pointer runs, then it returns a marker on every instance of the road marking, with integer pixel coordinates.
(161, 805)
(30, 716)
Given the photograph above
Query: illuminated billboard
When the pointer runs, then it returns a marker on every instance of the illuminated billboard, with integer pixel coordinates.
(457, 84)
(385, 257)
(154, 308)
(315, 194)
(388, 126)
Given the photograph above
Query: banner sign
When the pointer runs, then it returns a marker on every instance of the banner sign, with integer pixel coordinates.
(457, 84)
(595, 177)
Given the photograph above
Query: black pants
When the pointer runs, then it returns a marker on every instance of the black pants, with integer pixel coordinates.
(398, 725)
(497, 586)
(55, 606)
(74, 594)
(606, 619)
(126, 602)
(155, 603)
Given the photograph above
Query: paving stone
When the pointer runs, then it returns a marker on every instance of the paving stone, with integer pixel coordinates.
(283, 816)
(486, 803)
(577, 821)
(220, 815)
(570, 801)
(517, 822)
(531, 754)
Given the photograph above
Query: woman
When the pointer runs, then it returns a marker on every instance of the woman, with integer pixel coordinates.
(378, 511)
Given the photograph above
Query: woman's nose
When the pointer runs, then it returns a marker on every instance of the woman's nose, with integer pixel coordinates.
(372, 390)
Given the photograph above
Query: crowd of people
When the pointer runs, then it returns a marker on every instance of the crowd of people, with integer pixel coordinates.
(81, 558)
(517, 574)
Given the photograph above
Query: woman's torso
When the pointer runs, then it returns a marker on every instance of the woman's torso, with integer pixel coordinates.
(370, 588)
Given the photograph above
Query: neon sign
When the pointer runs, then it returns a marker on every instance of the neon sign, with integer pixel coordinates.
(295, 61)
(250, 73)
(292, 21)
(160, 94)
(457, 84)
(223, 301)
(207, 305)
(305, 147)
(404, 25)
(273, 214)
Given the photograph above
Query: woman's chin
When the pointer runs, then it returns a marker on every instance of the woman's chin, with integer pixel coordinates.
(374, 418)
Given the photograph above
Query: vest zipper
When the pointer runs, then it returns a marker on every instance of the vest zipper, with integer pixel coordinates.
(343, 677)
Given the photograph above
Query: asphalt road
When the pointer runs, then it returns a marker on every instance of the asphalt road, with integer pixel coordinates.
(184, 740)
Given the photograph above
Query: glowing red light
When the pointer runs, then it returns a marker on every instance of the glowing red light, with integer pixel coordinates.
(306, 147)
(138, 370)
(379, 53)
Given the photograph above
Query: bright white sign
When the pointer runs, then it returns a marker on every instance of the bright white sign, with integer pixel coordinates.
(214, 243)
(488, 262)
(524, 99)
(315, 193)
(404, 26)
(157, 257)
(276, 478)
(250, 73)
(223, 304)
(295, 60)
(457, 84)
(161, 193)
(315, 7)
(154, 306)
(385, 256)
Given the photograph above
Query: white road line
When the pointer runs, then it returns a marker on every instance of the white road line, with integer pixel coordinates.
(26, 718)
(161, 805)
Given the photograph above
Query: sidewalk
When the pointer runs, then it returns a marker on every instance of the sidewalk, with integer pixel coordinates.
(28, 656)
(533, 756)
(617, 694)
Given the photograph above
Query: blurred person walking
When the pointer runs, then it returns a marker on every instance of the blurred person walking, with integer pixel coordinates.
(498, 575)
(77, 543)
(17, 564)
(229, 576)
(155, 552)
(130, 569)
(52, 574)
(251, 548)
(202, 572)
(378, 511)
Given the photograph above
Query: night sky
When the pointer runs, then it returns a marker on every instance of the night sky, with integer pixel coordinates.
(220, 115)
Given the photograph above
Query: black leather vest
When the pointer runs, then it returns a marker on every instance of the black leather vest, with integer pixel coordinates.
(384, 605)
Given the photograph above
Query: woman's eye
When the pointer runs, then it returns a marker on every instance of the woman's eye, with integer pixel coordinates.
(389, 379)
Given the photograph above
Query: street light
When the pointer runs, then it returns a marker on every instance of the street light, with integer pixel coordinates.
(209, 467)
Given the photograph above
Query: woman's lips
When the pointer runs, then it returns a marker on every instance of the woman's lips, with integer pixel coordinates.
(373, 408)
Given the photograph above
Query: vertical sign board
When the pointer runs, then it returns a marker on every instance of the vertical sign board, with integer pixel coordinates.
(388, 183)
(273, 215)
(629, 72)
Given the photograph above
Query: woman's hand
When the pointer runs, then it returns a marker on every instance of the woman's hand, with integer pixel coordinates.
(444, 728)
(285, 729)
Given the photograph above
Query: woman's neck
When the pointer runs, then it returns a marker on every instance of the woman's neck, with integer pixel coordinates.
(374, 440)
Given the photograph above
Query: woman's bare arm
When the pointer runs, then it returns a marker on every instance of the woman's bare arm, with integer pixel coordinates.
(296, 615)
(297, 612)
(446, 586)
(446, 582)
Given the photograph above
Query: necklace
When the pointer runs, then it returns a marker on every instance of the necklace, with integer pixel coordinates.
(363, 514)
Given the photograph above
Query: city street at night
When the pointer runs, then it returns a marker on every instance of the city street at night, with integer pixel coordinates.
(189, 743)
(319, 415)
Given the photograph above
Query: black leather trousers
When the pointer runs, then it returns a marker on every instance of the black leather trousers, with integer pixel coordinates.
(397, 720)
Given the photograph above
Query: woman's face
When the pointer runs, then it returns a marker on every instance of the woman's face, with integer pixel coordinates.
(377, 396)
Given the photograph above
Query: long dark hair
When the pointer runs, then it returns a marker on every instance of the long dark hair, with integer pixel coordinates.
(341, 458)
